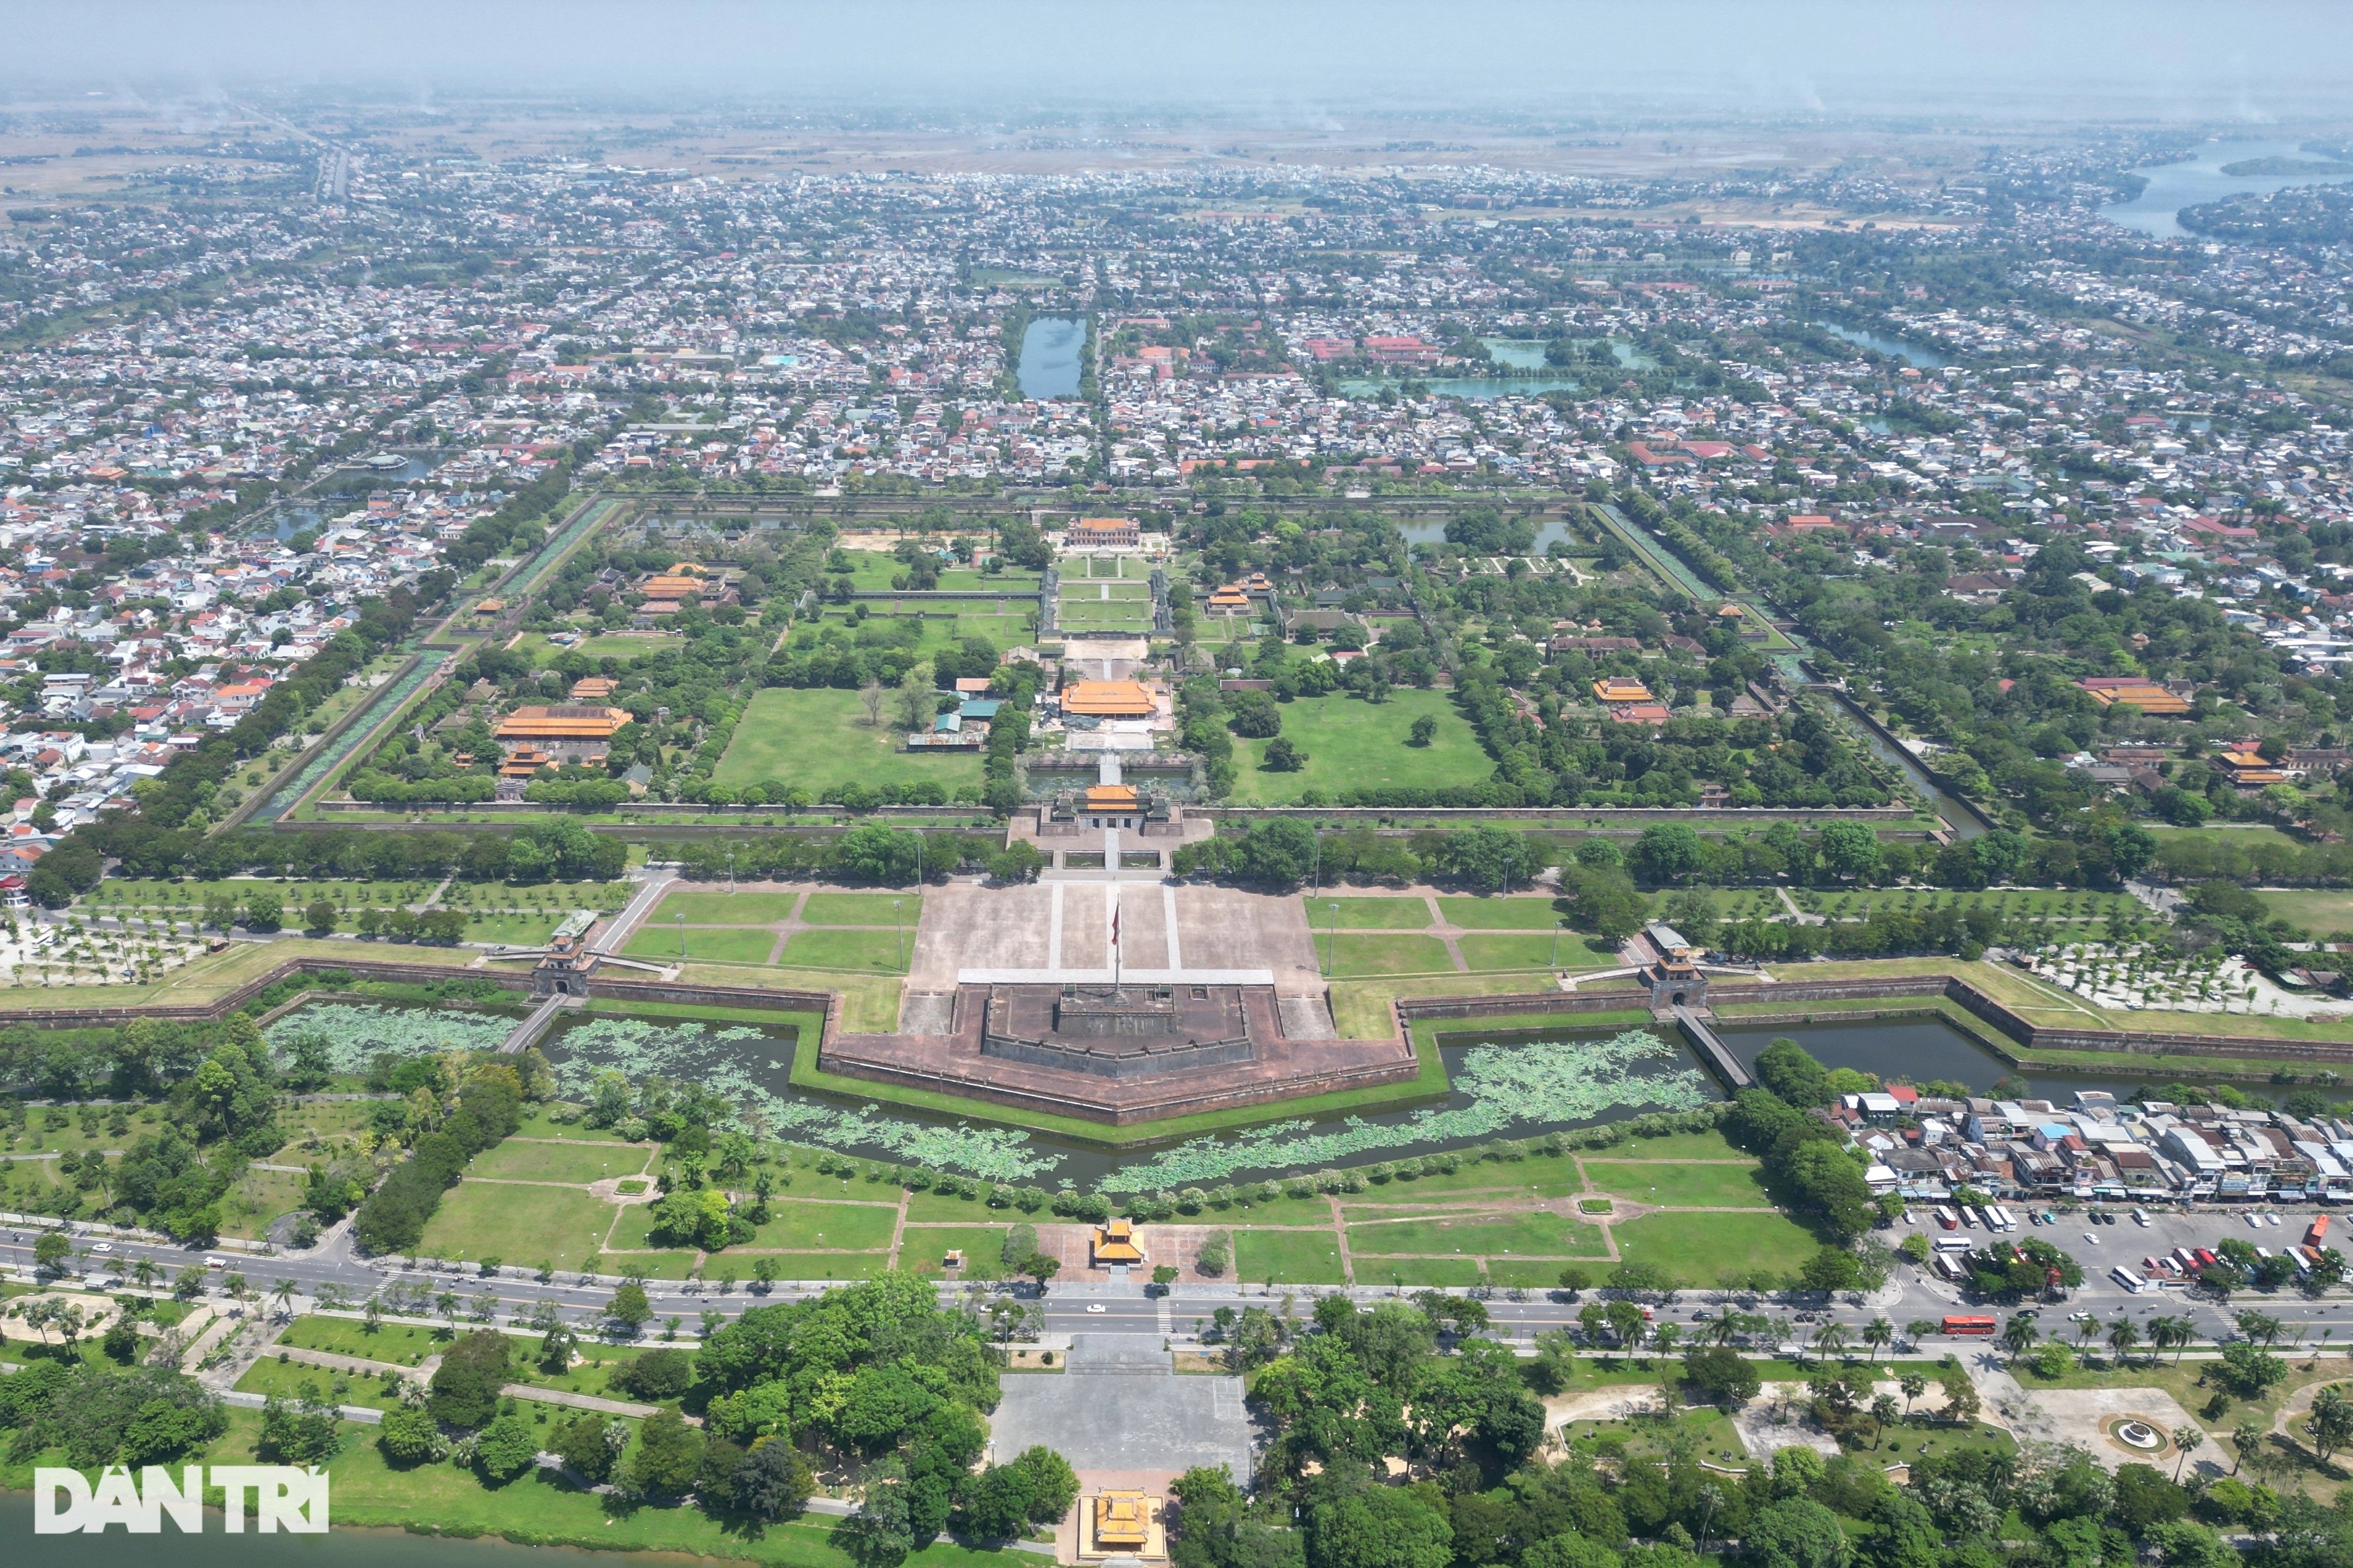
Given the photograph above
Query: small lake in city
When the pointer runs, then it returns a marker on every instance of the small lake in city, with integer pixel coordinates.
(2199, 179)
(1048, 367)
(1909, 352)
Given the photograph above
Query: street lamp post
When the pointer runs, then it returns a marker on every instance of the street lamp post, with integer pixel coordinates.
(681, 933)
(1332, 937)
(899, 927)
(1555, 944)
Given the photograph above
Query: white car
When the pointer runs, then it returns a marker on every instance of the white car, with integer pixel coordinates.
(101, 1246)
(2254, 1222)
(216, 1263)
(2090, 1237)
(2272, 1219)
(1094, 1305)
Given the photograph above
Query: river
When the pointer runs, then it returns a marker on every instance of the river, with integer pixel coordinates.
(1050, 346)
(2200, 180)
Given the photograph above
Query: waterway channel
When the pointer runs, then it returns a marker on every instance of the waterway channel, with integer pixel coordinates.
(1049, 366)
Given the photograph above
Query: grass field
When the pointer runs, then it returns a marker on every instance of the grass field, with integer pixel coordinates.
(862, 909)
(1354, 744)
(799, 1227)
(748, 945)
(2318, 910)
(1530, 950)
(519, 1160)
(623, 646)
(1701, 1248)
(1369, 914)
(872, 952)
(818, 740)
(519, 930)
(1500, 914)
(290, 1379)
(527, 1225)
(1287, 1258)
(983, 1246)
(1542, 1234)
(257, 1198)
(402, 1344)
(1356, 954)
(1673, 1184)
(1447, 1273)
(724, 908)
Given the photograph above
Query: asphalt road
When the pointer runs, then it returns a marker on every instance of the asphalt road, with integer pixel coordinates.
(1105, 1307)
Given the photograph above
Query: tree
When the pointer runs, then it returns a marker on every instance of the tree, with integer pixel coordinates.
(1381, 1527)
(320, 916)
(1796, 1532)
(1879, 1333)
(302, 1431)
(50, 1251)
(1423, 731)
(1053, 1485)
(465, 1388)
(996, 1503)
(1040, 1266)
(409, 1435)
(507, 1447)
(1669, 851)
(2020, 1335)
(1849, 850)
(1282, 756)
(629, 1307)
(773, 1482)
(881, 1532)
(1724, 1374)
(2330, 1426)
(1960, 1395)
(871, 697)
(582, 1444)
(668, 1454)
(1913, 1385)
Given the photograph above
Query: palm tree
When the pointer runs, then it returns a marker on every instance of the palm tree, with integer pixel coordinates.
(1913, 1385)
(2123, 1335)
(285, 1291)
(2243, 1438)
(2019, 1336)
(2170, 1333)
(1832, 1339)
(1878, 1334)
(2185, 1438)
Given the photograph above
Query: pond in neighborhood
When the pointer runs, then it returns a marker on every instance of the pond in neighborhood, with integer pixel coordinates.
(1909, 352)
(1050, 346)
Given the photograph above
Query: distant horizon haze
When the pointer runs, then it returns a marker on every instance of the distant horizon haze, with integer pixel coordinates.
(2170, 61)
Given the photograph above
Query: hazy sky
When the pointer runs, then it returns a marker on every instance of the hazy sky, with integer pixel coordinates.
(2243, 60)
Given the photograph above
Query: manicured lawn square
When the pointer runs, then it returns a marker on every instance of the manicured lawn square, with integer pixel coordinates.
(520, 1159)
(1542, 1234)
(844, 1227)
(1369, 914)
(1680, 1185)
(863, 909)
(1529, 949)
(750, 945)
(983, 1246)
(1447, 1273)
(1500, 914)
(723, 909)
(402, 1344)
(818, 740)
(1700, 1248)
(1360, 954)
(943, 1207)
(517, 930)
(877, 953)
(1353, 745)
(1287, 1258)
(526, 1225)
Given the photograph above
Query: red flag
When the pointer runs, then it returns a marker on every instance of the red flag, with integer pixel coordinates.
(1114, 925)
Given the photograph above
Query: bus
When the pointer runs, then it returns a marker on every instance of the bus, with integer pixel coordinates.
(2316, 1233)
(2129, 1280)
(1951, 1243)
(1947, 1219)
(2002, 1220)
(1971, 1327)
(1948, 1265)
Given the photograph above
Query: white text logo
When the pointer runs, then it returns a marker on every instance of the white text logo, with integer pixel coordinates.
(285, 1497)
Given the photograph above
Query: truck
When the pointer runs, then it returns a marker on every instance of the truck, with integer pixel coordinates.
(2316, 1233)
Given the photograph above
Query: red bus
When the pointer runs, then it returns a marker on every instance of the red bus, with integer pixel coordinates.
(1975, 1328)
(2316, 1233)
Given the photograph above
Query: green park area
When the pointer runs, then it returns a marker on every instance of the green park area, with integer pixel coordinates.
(2320, 910)
(871, 933)
(1360, 936)
(1350, 744)
(816, 739)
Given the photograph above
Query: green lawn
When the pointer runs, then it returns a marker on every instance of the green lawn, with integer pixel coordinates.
(863, 909)
(2317, 909)
(403, 1344)
(935, 1208)
(623, 646)
(290, 1379)
(520, 1159)
(1500, 913)
(1709, 1145)
(258, 1198)
(1701, 1248)
(747, 945)
(854, 1228)
(1547, 1175)
(1352, 744)
(1287, 1258)
(724, 908)
(875, 952)
(1360, 954)
(818, 740)
(1543, 1235)
(983, 1246)
(1369, 914)
(1672, 1184)
(1530, 950)
(526, 1225)
(1448, 1273)
(517, 931)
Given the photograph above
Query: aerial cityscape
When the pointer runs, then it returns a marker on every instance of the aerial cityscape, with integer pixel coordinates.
(1514, 787)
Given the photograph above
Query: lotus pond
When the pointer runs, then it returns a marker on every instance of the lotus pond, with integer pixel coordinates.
(1517, 1086)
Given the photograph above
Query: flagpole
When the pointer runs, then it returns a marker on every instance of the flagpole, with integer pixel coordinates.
(1116, 966)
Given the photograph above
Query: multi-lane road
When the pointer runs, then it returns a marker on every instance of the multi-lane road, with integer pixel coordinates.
(1090, 1305)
